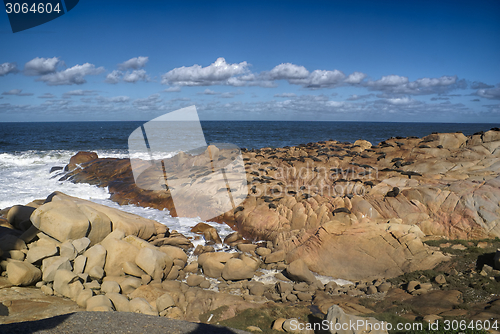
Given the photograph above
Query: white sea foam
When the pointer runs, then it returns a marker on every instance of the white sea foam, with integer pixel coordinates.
(25, 177)
(268, 277)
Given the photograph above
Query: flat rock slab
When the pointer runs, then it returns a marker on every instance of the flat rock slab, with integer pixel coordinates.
(113, 322)
(27, 304)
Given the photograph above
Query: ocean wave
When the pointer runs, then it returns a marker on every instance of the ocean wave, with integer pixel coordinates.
(25, 177)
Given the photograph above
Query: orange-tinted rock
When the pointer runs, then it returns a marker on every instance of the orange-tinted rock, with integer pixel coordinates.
(80, 158)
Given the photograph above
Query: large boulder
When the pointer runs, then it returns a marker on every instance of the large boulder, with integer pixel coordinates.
(80, 158)
(98, 217)
(62, 220)
(96, 257)
(363, 251)
(213, 263)
(236, 269)
(22, 273)
(141, 305)
(118, 252)
(67, 283)
(100, 224)
(153, 262)
(38, 253)
(298, 271)
(51, 265)
(10, 242)
(19, 216)
(99, 303)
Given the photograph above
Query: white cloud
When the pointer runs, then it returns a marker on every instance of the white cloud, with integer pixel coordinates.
(149, 103)
(208, 92)
(320, 79)
(355, 78)
(491, 93)
(355, 97)
(173, 89)
(228, 95)
(47, 96)
(401, 101)
(79, 92)
(7, 68)
(395, 84)
(288, 71)
(388, 80)
(17, 92)
(41, 66)
(285, 95)
(136, 75)
(251, 80)
(73, 75)
(480, 85)
(217, 73)
(299, 75)
(134, 63)
(114, 99)
(181, 99)
(113, 77)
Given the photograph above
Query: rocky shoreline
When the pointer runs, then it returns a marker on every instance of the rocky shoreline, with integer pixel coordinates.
(395, 219)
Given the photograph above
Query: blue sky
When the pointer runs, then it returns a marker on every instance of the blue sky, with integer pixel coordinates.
(257, 60)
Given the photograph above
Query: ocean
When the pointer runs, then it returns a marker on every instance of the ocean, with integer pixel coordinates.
(29, 150)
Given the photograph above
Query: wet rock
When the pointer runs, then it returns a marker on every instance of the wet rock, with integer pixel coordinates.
(209, 233)
(80, 158)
